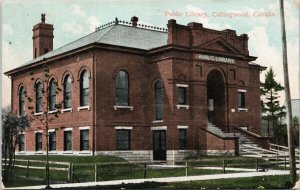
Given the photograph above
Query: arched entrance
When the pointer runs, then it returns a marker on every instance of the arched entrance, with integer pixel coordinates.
(216, 99)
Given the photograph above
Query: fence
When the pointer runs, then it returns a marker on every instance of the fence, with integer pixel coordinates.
(79, 172)
(120, 170)
(41, 165)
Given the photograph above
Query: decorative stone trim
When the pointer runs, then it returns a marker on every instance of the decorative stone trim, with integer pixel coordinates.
(84, 152)
(182, 127)
(68, 129)
(242, 90)
(158, 121)
(68, 152)
(39, 113)
(159, 128)
(56, 152)
(182, 85)
(83, 108)
(53, 111)
(123, 127)
(123, 107)
(243, 109)
(84, 128)
(51, 130)
(67, 110)
(183, 106)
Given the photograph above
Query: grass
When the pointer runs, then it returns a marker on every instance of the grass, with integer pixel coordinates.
(231, 161)
(36, 177)
(114, 168)
(20, 182)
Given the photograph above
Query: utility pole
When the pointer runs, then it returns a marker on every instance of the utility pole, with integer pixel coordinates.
(288, 98)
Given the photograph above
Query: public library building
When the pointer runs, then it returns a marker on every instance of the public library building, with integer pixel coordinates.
(140, 92)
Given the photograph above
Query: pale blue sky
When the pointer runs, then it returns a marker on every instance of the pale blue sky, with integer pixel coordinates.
(73, 19)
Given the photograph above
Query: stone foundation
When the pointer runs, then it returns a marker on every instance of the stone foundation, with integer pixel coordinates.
(136, 155)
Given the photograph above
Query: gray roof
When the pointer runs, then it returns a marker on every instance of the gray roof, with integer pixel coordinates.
(120, 35)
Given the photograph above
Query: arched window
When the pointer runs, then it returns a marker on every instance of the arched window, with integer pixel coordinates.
(84, 88)
(38, 97)
(52, 95)
(159, 100)
(67, 92)
(122, 90)
(21, 101)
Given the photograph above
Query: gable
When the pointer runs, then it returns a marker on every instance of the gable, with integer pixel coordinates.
(220, 45)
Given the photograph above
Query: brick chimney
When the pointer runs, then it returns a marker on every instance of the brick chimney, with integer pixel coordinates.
(178, 34)
(134, 21)
(42, 37)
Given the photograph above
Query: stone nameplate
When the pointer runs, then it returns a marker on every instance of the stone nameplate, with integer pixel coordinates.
(216, 58)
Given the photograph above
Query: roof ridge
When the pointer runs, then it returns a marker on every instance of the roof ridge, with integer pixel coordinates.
(105, 33)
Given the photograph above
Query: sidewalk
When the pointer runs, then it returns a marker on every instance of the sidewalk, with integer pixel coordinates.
(168, 179)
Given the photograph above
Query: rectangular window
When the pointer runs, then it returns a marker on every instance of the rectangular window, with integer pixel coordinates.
(38, 141)
(67, 99)
(67, 140)
(182, 139)
(52, 141)
(123, 139)
(84, 139)
(181, 95)
(39, 96)
(85, 97)
(241, 99)
(21, 142)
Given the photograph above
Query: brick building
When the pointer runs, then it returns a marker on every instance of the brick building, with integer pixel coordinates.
(141, 92)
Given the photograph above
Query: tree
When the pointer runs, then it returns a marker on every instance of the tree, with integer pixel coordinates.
(273, 111)
(13, 126)
(46, 117)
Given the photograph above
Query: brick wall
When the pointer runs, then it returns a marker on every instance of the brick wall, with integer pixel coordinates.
(177, 63)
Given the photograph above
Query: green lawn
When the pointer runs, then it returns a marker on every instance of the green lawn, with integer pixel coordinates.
(113, 168)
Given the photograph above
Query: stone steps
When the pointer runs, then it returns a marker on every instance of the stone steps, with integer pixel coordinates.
(247, 147)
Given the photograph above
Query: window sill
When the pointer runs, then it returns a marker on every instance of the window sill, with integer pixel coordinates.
(53, 111)
(83, 108)
(53, 152)
(123, 107)
(183, 106)
(21, 152)
(67, 110)
(123, 150)
(158, 121)
(84, 152)
(182, 151)
(68, 152)
(37, 114)
(38, 152)
(243, 109)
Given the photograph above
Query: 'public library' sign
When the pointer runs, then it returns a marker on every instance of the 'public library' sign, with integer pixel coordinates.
(216, 58)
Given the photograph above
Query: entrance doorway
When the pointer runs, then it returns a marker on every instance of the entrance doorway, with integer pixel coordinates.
(159, 145)
(216, 99)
